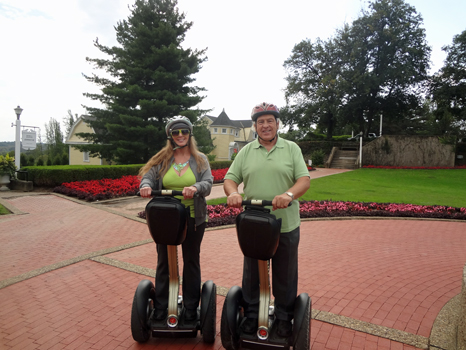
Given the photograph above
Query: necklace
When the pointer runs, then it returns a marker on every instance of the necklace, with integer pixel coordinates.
(179, 166)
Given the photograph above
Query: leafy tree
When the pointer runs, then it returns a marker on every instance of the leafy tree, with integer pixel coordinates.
(69, 121)
(376, 65)
(312, 94)
(55, 138)
(387, 65)
(150, 80)
(448, 89)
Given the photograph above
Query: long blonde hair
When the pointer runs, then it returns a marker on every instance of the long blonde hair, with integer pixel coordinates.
(165, 155)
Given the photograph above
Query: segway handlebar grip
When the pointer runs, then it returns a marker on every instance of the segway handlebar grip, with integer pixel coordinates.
(171, 193)
(259, 202)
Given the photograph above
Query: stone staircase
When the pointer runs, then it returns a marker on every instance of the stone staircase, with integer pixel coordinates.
(344, 159)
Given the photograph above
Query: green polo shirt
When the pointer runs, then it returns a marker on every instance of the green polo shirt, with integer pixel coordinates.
(268, 174)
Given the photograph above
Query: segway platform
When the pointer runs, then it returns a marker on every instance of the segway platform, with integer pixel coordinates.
(167, 222)
(258, 234)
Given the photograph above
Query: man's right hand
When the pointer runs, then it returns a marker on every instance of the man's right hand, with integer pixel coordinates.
(145, 192)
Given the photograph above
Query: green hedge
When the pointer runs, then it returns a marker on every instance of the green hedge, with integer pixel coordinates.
(51, 176)
(221, 164)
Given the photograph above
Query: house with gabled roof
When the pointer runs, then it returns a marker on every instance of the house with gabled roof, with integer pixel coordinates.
(76, 156)
(229, 135)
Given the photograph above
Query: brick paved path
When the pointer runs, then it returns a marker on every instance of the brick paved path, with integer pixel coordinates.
(68, 273)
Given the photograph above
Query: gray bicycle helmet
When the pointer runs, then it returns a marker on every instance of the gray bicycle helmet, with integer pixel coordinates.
(178, 122)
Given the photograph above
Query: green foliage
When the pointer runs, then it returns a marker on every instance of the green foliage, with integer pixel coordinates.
(56, 160)
(211, 157)
(377, 64)
(40, 162)
(221, 164)
(51, 176)
(203, 138)
(49, 162)
(30, 161)
(65, 160)
(7, 165)
(422, 187)
(55, 139)
(23, 160)
(318, 157)
(448, 89)
(151, 80)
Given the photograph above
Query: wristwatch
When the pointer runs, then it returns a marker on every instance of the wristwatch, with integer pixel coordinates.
(290, 194)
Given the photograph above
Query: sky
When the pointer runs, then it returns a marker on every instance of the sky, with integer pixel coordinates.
(44, 45)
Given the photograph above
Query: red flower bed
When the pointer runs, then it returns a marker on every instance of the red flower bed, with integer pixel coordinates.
(313, 209)
(222, 215)
(219, 175)
(412, 167)
(94, 190)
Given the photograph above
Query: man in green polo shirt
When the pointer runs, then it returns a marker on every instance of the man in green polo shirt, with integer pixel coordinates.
(271, 168)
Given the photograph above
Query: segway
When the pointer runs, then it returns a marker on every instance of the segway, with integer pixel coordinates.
(167, 221)
(258, 234)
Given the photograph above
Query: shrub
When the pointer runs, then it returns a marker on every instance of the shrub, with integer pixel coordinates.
(40, 162)
(317, 157)
(30, 161)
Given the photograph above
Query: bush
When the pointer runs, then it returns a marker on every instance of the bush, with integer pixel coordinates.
(318, 157)
(52, 176)
(65, 160)
(30, 161)
(211, 157)
(23, 160)
(40, 162)
(222, 164)
(49, 162)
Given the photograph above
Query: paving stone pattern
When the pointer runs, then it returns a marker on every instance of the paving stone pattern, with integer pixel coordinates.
(68, 272)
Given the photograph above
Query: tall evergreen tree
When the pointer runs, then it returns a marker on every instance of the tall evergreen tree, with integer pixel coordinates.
(150, 80)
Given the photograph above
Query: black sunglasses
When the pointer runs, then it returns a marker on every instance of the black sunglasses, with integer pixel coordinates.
(179, 132)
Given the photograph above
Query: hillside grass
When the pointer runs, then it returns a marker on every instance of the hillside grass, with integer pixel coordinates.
(422, 187)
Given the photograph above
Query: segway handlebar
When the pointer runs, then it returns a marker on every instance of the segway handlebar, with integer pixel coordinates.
(260, 202)
(171, 193)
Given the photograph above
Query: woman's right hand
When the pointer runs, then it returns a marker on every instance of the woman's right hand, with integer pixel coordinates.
(145, 192)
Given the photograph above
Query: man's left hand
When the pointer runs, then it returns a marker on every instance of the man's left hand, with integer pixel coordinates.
(281, 201)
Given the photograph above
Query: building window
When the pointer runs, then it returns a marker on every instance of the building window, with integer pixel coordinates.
(236, 133)
(215, 131)
(86, 156)
(254, 134)
(224, 131)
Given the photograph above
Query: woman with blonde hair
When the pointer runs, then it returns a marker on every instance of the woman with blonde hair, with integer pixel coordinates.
(180, 166)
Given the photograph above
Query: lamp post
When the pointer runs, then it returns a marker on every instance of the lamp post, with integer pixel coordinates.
(18, 111)
(381, 118)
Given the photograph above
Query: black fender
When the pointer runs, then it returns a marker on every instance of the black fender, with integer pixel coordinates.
(302, 306)
(233, 300)
(208, 289)
(144, 291)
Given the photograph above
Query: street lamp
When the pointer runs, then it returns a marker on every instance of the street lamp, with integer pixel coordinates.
(18, 111)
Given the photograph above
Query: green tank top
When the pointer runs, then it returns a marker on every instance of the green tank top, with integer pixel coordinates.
(171, 181)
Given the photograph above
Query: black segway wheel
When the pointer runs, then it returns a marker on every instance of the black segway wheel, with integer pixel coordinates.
(209, 312)
(141, 311)
(231, 319)
(302, 323)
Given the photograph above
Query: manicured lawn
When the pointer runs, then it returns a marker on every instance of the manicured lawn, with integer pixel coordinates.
(422, 187)
(3, 210)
